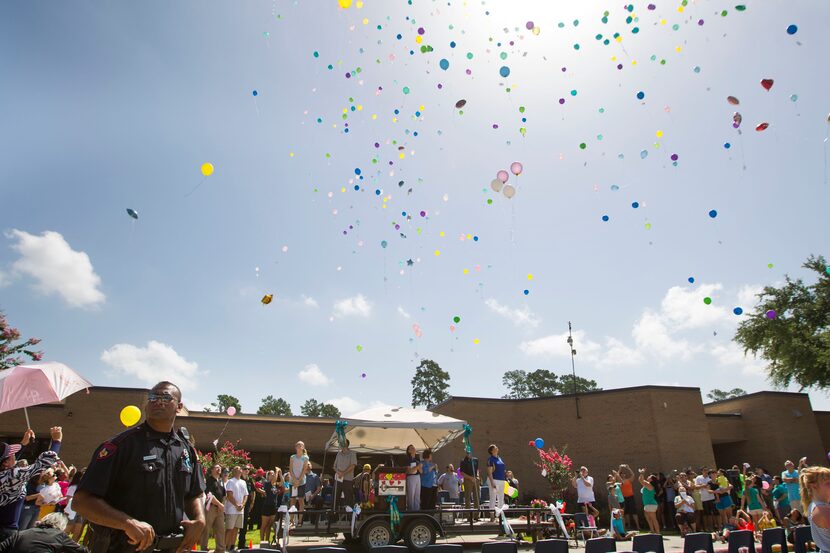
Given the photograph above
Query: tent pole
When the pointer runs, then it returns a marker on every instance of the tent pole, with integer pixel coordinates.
(26, 412)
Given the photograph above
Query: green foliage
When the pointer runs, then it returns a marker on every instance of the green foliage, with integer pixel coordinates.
(314, 408)
(223, 401)
(228, 456)
(718, 395)
(275, 407)
(790, 328)
(12, 354)
(543, 383)
(430, 384)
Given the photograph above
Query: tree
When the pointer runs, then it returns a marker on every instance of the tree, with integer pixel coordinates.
(790, 328)
(719, 395)
(276, 407)
(12, 354)
(227, 456)
(313, 408)
(430, 384)
(223, 401)
(543, 383)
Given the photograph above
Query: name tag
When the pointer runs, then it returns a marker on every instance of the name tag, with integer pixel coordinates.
(149, 458)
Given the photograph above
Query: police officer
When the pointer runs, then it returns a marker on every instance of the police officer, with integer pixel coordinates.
(140, 484)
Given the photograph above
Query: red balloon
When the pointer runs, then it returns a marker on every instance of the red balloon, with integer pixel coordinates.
(762, 127)
(732, 100)
(767, 83)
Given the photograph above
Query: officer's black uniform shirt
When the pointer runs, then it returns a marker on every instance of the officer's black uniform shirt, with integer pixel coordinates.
(469, 466)
(146, 474)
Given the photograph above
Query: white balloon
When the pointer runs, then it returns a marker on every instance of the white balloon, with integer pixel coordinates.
(496, 185)
(509, 191)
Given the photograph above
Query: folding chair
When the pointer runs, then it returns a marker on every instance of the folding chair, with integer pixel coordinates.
(600, 545)
(327, 549)
(803, 536)
(698, 541)
(391, 549)
(648, 543)
(551, 546)
(499, 547)
(484, 497)
(444, 497)
(444, 548)
(740, 538)
(582, 525)
(773, 536)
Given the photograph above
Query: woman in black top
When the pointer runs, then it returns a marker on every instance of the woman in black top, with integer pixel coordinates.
(273, 488)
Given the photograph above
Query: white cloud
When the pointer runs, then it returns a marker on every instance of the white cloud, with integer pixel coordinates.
(652, 334)
(683, 307)
(308, 301)
(732, 355)
(748, 296)
(152, 364)
(313, 376)
(402, 312)
(618, 354)
(357, 306)
(57, 268)
(556, 345)
(519, 317)
(349, 406)
(5, 280)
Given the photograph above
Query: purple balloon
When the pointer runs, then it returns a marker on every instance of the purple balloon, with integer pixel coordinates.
(502, 176)
(516, 168)
(771, 314)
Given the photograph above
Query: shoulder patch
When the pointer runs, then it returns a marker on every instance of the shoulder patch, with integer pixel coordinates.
(107, 451)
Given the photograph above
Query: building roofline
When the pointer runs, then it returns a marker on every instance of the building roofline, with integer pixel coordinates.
(261, 418)
(762, 392)
(566, 396)
(723, 415)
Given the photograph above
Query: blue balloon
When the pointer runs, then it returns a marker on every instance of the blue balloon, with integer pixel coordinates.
(255, 92)
(504, 71)
(444, 64)
(713, 213)
(539, 443)
(737, 311)
(792, 29)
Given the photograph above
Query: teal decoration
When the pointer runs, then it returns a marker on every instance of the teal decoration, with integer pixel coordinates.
(394, 514)
(468, 447)
(340, 430)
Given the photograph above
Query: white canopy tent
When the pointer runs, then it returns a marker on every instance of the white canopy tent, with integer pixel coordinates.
(389, 430)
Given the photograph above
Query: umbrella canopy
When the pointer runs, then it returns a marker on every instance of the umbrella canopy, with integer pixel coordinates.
(28, 385)
(390, 430)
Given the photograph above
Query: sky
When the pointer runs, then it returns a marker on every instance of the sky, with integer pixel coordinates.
(351, 184)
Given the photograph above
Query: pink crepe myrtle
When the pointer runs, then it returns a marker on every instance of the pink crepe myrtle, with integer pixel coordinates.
(12, 354)
(556, 468)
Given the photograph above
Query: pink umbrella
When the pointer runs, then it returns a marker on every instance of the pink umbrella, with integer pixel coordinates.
(36, 384)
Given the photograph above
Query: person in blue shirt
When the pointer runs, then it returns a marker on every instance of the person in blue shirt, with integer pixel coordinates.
(496, 476)
(429, 477)
(790, 478)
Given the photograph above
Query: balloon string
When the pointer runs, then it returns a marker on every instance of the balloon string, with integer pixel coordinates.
(197, 186)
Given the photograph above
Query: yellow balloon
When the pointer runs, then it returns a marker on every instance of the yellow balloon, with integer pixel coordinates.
(345, 4)
(207, 169)
(130, 415)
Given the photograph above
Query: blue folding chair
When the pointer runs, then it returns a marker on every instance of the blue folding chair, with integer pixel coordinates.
(773, 536)
(698, 541)
(551, 546)
(648, 543)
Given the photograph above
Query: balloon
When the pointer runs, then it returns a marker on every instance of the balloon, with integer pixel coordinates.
(444, 64)
(732, 100)
(737, 311)
(359, 348)
(509, 191)
(767, 83)
(765, 485)
(231, 411)
(502, 176)
(345, 4)
(791, 30)
(713, 213)
(762, 126)
(496, 185)
(736, 119)
(504, 71)
(417, 330)
(460, 104)
(207, 169)
(132, 213)
(771, 314)
(130, 415)
(383, 243)
(516, 168)
(266, 299)
(539, 443)
(456, 319)
(452, 328)
(707, 300)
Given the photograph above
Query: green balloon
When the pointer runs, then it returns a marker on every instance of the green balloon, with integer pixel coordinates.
(707, 300)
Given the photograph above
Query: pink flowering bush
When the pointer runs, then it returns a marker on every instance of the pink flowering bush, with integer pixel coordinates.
(557, 469)
(228, 456)
(12, 354)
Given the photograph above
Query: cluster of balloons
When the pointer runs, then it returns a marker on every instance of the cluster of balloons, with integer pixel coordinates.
(499, 184)
(130, 415)
(416, 328)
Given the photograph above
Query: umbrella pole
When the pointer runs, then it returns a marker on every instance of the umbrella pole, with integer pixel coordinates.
(26, 412)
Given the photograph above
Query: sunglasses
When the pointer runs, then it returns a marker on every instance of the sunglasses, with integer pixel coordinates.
(163, 398)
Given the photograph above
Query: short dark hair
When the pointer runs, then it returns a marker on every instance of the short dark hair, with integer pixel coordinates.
(166, 384)
(427, 454)
(491, 448)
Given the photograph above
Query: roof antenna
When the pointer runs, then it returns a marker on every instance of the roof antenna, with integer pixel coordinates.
(573, 367)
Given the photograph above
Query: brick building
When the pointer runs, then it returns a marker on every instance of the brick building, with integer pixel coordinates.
(658, 427)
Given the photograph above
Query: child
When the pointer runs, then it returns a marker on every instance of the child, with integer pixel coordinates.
(741, 521)
(618, 528)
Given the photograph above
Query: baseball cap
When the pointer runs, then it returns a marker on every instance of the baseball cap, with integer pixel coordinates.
(367, 466)
(9, 449)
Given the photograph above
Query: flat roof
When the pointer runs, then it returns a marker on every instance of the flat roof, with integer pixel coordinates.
(753, 394)
(581, 394)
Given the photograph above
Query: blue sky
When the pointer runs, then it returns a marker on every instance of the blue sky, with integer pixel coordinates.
(116, 105)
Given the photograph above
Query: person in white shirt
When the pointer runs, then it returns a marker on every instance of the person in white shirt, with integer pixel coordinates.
(450, 482)
(235, 498)
(684, 506)
(708, 499)
(584, 485)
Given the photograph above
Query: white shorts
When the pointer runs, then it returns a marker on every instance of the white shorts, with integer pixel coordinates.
(756, 512)
(650, 508)
(233, 521)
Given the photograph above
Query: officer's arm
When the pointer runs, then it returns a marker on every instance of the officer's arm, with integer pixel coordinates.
(95, 509)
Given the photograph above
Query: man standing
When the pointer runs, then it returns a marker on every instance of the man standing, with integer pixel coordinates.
(344, 465)
(141, 484)
(247, 522)
(214, 509)
(472, 485)
(313, 491)
(450, 483)
(584, 485)
(790, 478)
(236, 495)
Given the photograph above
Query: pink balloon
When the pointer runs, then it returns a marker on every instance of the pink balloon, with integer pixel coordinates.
(502, 176)
(452, 329)
(765, 485)
(231, 411)
(516, 168)
(417, 330)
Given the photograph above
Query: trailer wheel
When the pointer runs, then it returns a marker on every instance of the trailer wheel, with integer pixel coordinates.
(419, 534)
(375, 534)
